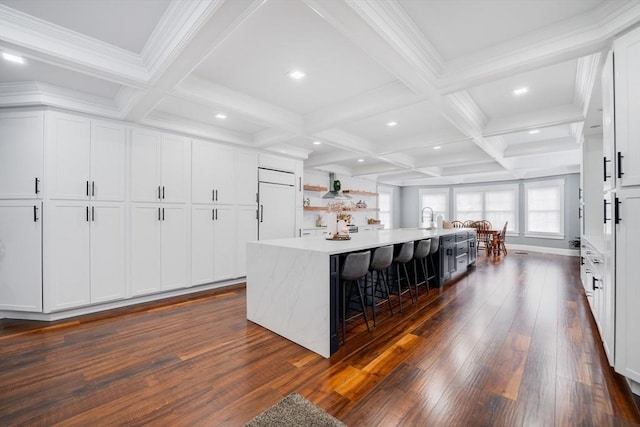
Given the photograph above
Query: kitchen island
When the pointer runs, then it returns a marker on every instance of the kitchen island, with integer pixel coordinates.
(292, 284)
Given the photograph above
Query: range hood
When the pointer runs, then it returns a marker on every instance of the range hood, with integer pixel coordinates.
(334, 189)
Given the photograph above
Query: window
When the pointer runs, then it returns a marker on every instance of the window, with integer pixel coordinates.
(544, 209)
(385, 203)
(496, 204)
(436, 199)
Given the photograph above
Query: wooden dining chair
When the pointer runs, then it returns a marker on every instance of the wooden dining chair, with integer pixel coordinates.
(500, 242)
(469, 223)
(485, 238)
(457, 224)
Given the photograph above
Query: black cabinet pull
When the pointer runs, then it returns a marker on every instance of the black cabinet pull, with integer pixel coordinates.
(93, 188)
(604, 164)
(163, 192)
(216, 195)
(605, 211)
(159, 193)
(261, 213)
(37, 189)
(159, 217)
(620, 173)
(87, 210)
(593, 283)
(163, 214)
(87, 188)
(257, 214)
(35, 213)
(581, 260)
(213, 215)
(213, 195)
(93, 213)
(617, 211)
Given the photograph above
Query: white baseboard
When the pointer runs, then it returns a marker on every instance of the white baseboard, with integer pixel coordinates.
(543, 249)
(49, 317)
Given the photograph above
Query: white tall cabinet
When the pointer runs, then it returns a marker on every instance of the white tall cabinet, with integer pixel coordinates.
(84, 239)
(621, 133)
(21, 170)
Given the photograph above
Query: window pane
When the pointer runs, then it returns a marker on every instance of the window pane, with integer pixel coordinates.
(500, 208)
(384, 202)
(544, 209)
(437, 202)
(469, 207)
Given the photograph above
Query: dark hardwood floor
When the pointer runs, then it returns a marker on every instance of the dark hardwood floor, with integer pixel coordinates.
(512, 343)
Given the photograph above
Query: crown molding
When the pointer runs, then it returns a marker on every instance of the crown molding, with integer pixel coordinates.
(347, 141)
(21, 94)
(586, 74)
(51, 43)
(268, 137)
(317, 160)
(541, 147)
(463, 112)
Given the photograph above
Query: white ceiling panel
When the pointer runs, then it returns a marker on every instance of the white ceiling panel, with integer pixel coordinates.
(534, 135)
(459, 27)
(123, 23)
(419, 118)
(207, 114)
(283, 36)
(547, 87)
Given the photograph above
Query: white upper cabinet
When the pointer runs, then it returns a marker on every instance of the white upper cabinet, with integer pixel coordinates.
(246, 178)
(69, 154)
(21, 154)
(627, 107)
(86, 159)
(212, 173)
(159, 167)
(108, 157)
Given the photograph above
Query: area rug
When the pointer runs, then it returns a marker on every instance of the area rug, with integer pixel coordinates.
(294, 410)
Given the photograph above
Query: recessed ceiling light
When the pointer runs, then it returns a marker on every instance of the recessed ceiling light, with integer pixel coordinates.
(534, 131)
(360, 160)
(12, 58)
(437, 147)
(317, 143)
(296, 74)
(391, 124)
(520, 91)
(221, 116)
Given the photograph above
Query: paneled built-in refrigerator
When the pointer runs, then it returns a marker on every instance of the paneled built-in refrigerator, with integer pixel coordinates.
(276, 204)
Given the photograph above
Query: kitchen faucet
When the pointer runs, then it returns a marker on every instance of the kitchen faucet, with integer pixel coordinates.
(422, 217)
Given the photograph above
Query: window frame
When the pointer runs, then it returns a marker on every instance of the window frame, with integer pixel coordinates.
(557, 183)
(386, 190)
(443, 190)
(483, 189)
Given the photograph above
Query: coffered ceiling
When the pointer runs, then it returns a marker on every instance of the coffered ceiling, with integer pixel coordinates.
(443, 70)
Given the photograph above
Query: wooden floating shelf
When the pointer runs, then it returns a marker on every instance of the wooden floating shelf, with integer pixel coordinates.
(363, 193)
(324, 208)
(315, 188)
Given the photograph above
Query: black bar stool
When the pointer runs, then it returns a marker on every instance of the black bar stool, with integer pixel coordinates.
(356, 266)
(433, 274)
(403, 257)
(423, 249)
(380, 261)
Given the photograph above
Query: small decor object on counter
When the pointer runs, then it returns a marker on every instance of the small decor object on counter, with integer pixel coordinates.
(306, 202)
(320, 221)
(440, 221)
(336, 185)
(361, 204)
(373, 221)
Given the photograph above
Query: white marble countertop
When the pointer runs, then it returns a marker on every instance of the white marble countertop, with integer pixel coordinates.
(359, 241)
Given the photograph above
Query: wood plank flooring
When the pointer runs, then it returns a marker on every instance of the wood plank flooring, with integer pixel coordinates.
(512, 343)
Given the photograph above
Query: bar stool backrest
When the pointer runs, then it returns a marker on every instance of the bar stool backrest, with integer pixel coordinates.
(356, 265)
(435, 244)
(406, 253)
(423, 249)
(382, 258)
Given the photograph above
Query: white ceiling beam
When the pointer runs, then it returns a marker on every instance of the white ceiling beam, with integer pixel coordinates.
(355, 21)
(560, 115)
(537, 147)
(268, 137)
(347, 141)
(566, 40)
(330, 157)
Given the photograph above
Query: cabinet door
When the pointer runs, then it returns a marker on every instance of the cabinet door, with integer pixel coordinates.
(145, 249)
(608, 132)
(107, 252)
(627, 287)
(67, 272)
(224, 174)
(225, 242)
(627, 107)
(68, 148)
(246, 177)
(20, 256)
(247, 231)
(108, 156)
(21, 147)
(202, 255)
(202, 172)
(145, 171)
(175, 160)
(174, 259)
